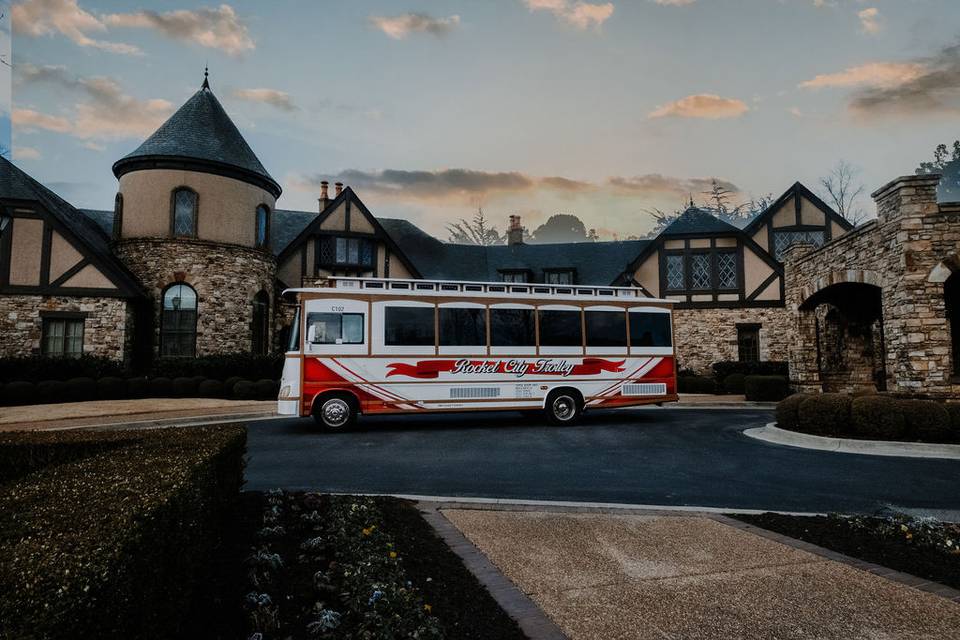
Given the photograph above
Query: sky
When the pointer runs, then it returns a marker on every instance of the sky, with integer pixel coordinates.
(430, 109)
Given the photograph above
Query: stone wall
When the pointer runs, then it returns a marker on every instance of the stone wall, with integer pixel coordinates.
(107, 332)
(225, 277)
(900, 253)
(705, 336)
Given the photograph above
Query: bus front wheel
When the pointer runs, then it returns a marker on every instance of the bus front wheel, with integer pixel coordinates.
(335, 412)
(564, 407)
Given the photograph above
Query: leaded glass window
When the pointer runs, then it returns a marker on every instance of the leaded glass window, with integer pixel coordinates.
(700, 271)
(558, 276)
(783, 239)
(262, 223)
(62, 337)
(343, 251)
(184, 213)
(727, 270)
(675, 272)
(178, 321)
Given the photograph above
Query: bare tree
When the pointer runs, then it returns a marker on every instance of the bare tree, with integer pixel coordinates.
(474, 231)
(718, 197)
(842, 190)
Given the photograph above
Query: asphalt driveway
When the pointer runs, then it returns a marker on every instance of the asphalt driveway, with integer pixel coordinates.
(642, 456)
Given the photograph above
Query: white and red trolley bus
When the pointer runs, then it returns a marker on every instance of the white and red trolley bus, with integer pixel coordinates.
(383, 345)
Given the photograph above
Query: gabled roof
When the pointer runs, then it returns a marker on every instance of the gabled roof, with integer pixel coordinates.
(798, 189)
(694, 221)
(201, 133)
(15, 184)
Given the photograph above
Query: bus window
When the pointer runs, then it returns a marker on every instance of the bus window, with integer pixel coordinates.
(463, 327)
(335, 328)
(293, 340)
(560, 329)
(650, 329)
(408, 326)
(512, 328)
(606, 328)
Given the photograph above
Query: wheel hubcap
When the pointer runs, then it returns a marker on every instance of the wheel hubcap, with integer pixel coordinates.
(563, 408)
(335, 412)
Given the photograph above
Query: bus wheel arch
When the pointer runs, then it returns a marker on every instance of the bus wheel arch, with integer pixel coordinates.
(564, 405)
(335, 410)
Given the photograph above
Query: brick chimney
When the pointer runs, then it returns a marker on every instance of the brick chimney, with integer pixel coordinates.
(514, 231)
(324, 196)
(338, 188)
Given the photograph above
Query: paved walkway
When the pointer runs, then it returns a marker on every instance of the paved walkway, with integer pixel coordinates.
(110, 412)
(669, 577)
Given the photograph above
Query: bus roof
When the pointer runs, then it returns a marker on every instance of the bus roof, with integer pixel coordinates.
(470, 288)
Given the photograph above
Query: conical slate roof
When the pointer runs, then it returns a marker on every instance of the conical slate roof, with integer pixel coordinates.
(200, 136)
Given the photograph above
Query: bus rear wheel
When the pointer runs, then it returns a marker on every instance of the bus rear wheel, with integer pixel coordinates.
(335, 412)
(564, 407)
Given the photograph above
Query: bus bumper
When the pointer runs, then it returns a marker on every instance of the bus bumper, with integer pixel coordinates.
(288, 407)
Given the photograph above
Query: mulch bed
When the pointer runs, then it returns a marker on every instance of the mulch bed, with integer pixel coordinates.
(922, 547)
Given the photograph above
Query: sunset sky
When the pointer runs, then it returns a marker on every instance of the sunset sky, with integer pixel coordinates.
(533, 107)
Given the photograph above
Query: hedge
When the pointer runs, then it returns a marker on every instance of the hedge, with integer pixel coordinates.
(825, 414)
(766, 368)
(696, 384)
(734, 384)
(876, 416)
(766, 388)
(788, 410)
(926, 420)
(131, 522)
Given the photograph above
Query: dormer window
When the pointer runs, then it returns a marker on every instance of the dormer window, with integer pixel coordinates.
(514, 275)
(184, 216)
(558, 276)
(262, 226)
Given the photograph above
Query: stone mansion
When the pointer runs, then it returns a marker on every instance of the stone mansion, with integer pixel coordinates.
(195, 252)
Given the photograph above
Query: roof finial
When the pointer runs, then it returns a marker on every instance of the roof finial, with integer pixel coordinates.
(206, 81)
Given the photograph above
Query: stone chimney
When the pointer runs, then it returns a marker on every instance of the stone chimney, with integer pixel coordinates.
(324, 196)
(338, 188)
(514, 231)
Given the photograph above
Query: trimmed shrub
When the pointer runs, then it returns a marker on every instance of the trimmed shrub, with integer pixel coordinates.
(734, 384)
(825, 414)
(39, 368)
(266, 389)
(81, 389)
(787, 410)
(221, 367)
(953, 408)
(161, 388)
(184, 387)
(876, 416)
(51, 391)
(766, 388)
(149, 503)
(696, 384)
(767, 368)
(138, 387)
(111, 388)
(244, 390)
(228, 385)
(19, 392)
(210, 389)
(926, 420)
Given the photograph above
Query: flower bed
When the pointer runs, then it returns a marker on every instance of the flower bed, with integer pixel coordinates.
(923, 547)
(115, 534)
(349, 567)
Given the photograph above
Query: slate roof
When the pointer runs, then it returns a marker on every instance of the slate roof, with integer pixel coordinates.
(596, 263)
(285, 225)
(200, 130)
(15, 184)
(695, 220)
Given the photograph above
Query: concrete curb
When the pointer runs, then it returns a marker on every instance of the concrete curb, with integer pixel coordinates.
(774, 435)
(164, 423)
(529, 617)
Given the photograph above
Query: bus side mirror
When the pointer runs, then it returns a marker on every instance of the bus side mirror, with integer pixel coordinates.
(312, 333)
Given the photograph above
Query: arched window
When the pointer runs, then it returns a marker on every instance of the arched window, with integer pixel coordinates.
(178, 322)
(183, 217)
(262, 230)
(261, 323)
(117, 216)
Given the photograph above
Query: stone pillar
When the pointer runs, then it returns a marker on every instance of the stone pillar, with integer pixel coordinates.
(916, 236)
(802, 346)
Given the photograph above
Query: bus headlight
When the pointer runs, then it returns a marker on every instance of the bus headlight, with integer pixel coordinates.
(285, 391)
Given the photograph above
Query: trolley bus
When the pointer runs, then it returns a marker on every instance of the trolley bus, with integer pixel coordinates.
(384, 345)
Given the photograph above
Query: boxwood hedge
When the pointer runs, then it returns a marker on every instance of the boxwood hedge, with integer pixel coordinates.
(766, 388)
(115, 534)
(825, 414)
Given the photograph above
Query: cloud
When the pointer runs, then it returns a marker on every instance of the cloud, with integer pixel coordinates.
(102, 112)
(870, 21)
(215, 28)
(655, 184)
(36, 18)
(25, 153)
(675, 3)
(581, 15)
(399, 27)
(873, 74)
(795, 112)
(279, 99)
(704, 105)
(28, 121)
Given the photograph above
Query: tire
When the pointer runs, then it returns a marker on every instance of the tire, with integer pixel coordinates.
(564, 407)
(335, 413)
